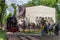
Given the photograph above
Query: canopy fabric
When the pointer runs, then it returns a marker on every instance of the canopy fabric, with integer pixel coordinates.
(40, 11)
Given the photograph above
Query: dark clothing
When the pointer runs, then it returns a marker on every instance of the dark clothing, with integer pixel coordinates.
(57, 29)
(24, 24)
(51, 28)
(46, 29)
(43, 22)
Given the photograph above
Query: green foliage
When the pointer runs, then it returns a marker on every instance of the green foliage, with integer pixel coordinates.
(58, 1)
(2, 11)
(4, 17)
(41, 2)
(3, 35)
(58, 18)
(13, 5)
(9, 15)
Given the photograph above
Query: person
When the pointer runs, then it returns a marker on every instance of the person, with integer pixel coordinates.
(23, 25)
(34, 26)
(39, 24)
(29, 26)
(44, 30)
(50, 28)
(43, 27)
(19, 26)
(40, 20)
(57, 29)
(43, 21)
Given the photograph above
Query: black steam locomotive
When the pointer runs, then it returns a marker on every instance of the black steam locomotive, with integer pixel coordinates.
(12, 24)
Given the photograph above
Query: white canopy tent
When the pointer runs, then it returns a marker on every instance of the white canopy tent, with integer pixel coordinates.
(40, 11)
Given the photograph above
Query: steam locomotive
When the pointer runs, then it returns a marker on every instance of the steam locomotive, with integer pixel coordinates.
(12, 24)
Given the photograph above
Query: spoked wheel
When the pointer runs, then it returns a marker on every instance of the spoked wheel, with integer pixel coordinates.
(14, 29)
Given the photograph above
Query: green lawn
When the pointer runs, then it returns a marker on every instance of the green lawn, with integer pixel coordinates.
(33, 32)
(38, 31)
(3, 35)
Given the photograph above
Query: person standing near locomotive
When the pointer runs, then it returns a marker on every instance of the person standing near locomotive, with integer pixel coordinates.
(43, 27)
(57, 29)
(37, 22)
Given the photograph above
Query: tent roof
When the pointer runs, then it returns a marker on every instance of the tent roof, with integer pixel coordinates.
(42, 6)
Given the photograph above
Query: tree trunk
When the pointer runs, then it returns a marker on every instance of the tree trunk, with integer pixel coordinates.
(2, 13)
(0, 26)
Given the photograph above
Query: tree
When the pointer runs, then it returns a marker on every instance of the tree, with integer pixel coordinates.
(2, 11)
(3, 16)
(58, 11)
(41, 2)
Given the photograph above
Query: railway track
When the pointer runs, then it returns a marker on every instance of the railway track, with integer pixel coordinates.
(32, 37)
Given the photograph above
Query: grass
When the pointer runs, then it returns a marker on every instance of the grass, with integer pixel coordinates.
(3, 35)
(33, 32)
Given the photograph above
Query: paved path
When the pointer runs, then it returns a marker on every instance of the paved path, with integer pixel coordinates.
(32, 37)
